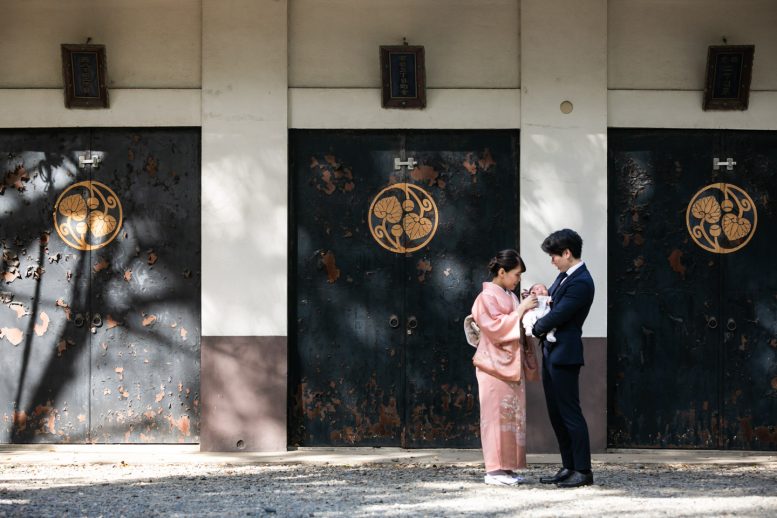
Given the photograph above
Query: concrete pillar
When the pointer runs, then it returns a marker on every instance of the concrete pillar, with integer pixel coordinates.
(563, 174)
(244, 224)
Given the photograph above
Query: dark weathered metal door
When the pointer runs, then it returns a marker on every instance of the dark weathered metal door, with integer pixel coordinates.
(690, 363)
(388, 260)
(145, 302)
(44, 349)
(116, 356)
(748, 320)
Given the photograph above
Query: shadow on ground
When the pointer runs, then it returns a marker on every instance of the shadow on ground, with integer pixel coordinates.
(303, 490)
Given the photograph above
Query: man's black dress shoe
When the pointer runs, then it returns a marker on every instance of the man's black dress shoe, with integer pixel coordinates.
(560, 476)
(577, 479)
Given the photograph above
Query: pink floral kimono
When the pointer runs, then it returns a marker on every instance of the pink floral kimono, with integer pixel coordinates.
(503, 364)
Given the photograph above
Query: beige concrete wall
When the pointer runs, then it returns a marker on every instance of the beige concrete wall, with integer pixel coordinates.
(244, 168)
(472, 62)
(656, 61)
(468, 44)
(563, 174)
(150, 43)
(662, 44)
(153, 54)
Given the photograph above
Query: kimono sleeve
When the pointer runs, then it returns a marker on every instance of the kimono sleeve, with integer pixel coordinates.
(494, 323)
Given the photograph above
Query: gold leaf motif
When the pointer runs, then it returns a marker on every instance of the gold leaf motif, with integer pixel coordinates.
(403, 209)
(416, 227)
(735, 227)
(389, 209)
(707, 208)
(74, 207)
(101, 223)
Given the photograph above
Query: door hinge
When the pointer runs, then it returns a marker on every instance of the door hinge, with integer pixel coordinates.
(94, 161)
(398, 163)
(729, 163)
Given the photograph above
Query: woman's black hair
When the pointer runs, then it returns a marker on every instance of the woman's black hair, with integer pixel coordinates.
(507, 259)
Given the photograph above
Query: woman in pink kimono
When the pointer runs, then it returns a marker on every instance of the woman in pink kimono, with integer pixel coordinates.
(504, 361)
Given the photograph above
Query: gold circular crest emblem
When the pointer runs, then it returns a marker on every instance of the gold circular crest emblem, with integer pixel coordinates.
(88, 215)
(721, 218)
(403, 218)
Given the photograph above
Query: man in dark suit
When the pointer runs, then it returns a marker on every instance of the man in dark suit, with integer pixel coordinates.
(572, 294)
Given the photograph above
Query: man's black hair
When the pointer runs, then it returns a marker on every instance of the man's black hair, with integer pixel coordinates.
(563, 239)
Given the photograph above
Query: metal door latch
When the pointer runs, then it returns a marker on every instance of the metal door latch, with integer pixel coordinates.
(729, 163)
(94, 161)
(398, 163)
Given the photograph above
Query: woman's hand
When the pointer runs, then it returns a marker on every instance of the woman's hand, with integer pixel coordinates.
(528, 303)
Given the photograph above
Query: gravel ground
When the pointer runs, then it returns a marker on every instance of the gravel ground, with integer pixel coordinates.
(123, 489)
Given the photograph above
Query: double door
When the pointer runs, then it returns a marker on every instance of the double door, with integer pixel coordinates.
(692, 328)
(392, 235)
(100, 319)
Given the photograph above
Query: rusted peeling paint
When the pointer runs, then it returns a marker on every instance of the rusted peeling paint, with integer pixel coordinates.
(20, 309)
(675, 261)
(152, 257)
(36, 272)
(12, 334)
(120, 372)
(110, 323)
(331, 175)
(151, 166)
(11, 275)
(471, 167)
(148, 320)
(332, 271)
(20, 420)
(62, 346)
(101, 264)
(62, 304)
(423, 268)
(40, 329)
(11, 261)
(15, 179)
(486, 160)
(425, 173)
(766, 435)
(128, 275)
(182, 424)
(184, 333)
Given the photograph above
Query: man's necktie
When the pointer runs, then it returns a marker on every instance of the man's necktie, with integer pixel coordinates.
(559, 280)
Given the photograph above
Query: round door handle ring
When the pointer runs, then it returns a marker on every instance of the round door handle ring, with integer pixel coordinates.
(731, 324)
(712, 323)
(394, 321)
(412, 323)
